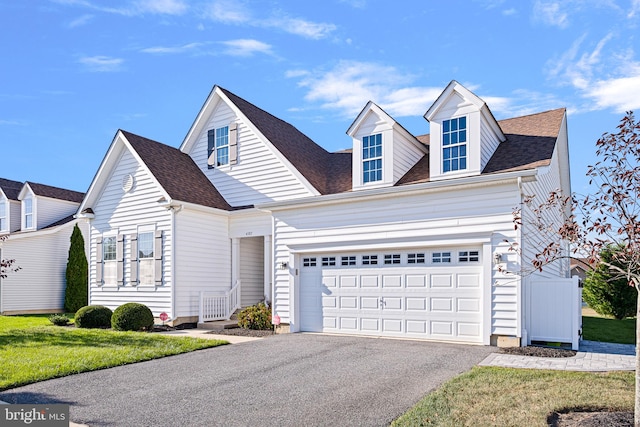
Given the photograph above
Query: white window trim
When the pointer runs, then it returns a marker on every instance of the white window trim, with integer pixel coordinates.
(146, 229)
(113, 262)
(32, 213)
(466, 144)
(216, 148)
(371, 159)
(7, 208)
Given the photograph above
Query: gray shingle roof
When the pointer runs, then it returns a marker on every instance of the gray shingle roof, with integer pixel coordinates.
(56, 192)
(177, 173)
(11, 188)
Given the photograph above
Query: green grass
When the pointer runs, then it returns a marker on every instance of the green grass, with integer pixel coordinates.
(487, 396)
(596, 327)
(31, 349)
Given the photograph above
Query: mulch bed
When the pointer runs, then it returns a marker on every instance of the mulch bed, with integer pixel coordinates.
(591, 419)
(538, 351)
(244, 332)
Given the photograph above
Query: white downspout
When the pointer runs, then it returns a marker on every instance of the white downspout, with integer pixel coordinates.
(522, 313)
(174, 210)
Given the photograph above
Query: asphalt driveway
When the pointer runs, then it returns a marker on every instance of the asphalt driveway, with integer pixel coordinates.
(285, 380)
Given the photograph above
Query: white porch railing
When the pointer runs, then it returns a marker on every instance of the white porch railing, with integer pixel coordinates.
(219, 305)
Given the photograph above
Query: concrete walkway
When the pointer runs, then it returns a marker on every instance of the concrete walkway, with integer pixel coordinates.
(592, 357)
(206, 334)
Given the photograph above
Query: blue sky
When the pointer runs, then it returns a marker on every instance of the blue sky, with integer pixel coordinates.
(74, 71)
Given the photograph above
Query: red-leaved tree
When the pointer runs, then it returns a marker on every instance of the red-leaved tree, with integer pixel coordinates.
(6, 265)
(607, 217)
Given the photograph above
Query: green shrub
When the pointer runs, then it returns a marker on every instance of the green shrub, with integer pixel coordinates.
(255, 317)
(77, 289)
(93, 316)
(132, 316)
(607, 292)
(59, 319)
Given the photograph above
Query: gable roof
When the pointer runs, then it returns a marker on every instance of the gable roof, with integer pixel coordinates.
(325, 171)
(55, 192)
(530, 141)
(177, 173)
(10, 188)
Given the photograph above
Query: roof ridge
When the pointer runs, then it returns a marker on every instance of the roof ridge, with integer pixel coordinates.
(533, 114)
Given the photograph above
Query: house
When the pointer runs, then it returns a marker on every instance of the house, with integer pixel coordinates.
(37, 221)
(580, 267)
(401, 236)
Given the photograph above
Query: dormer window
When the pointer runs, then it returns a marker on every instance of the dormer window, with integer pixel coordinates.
(372, 158)
(4, 226)
(454, 144)
(28, 213)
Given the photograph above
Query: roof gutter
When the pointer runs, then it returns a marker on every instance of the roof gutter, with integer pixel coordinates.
(426, 187)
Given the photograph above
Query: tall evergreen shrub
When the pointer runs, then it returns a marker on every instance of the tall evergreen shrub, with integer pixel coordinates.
(77, 275)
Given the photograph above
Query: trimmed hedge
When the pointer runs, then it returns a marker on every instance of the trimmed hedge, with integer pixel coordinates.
(93, 316)
(132, 316)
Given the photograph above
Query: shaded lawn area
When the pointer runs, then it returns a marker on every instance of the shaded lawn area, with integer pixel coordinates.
(607, 329)
(32, 350)
(489, 396)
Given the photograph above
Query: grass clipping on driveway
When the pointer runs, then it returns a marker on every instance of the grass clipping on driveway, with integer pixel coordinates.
(31, 354)
(519, 397)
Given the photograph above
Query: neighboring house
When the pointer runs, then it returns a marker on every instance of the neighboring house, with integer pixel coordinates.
(38, 221)
(579, 267)
(401, 236)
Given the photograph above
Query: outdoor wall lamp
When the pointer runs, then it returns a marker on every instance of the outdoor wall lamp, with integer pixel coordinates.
(497, 258)
(283, 266)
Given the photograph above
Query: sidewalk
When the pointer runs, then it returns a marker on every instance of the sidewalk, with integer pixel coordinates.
(206, 334)
(592, 357)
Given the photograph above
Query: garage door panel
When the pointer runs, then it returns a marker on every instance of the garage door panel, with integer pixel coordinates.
(416, 281)
(348, 302)
(442, 305)
(392, 281)
(468, 305)
(369, 281)
(417, 300)
(441, 281)
(348, 281)
(370, 303)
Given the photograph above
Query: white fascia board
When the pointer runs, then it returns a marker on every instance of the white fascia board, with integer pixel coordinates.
(394, 243)
(269, 145)
(41, 232)
(171, 203)
(361, 116)
(488, 116)
(26, 189)
(201, 119)
(144, 165)
(385, 192)
(3, 196)
(452, 87)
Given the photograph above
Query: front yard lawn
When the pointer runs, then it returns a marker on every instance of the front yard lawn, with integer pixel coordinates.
(488, 396)
(31, 349)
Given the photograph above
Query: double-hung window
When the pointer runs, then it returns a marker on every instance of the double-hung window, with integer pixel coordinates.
(146, 260)
(454, 144)
(28, 213)
(4, 226)
(222, 146)
(109, 261)
(372, 158)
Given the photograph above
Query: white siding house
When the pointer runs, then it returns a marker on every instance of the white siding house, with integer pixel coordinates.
(37, 221)
(402, 236)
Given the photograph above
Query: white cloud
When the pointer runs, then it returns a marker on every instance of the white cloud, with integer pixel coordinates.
(550, 13)
(351, 84)
(12, 123)
(635, 8)
(246, 47)
(172, 49)
(603, 78)
(231, 12)
(509, 12)
(101, 64)
(162, 7)
(139, 7)
(82, 20)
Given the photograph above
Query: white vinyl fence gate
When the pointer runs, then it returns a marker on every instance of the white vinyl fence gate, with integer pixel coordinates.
(554, 311)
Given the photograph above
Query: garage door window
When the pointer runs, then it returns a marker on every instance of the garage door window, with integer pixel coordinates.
(392, 259)
(369, 259)
(440, 257)
(415, 258)
(309, 262)
(328, 261)
(468, 256)
(348, 260)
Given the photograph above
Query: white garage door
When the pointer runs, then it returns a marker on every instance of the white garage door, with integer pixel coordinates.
(430, 294)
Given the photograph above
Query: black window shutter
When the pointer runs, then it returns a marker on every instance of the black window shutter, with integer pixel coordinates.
(211, 135)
